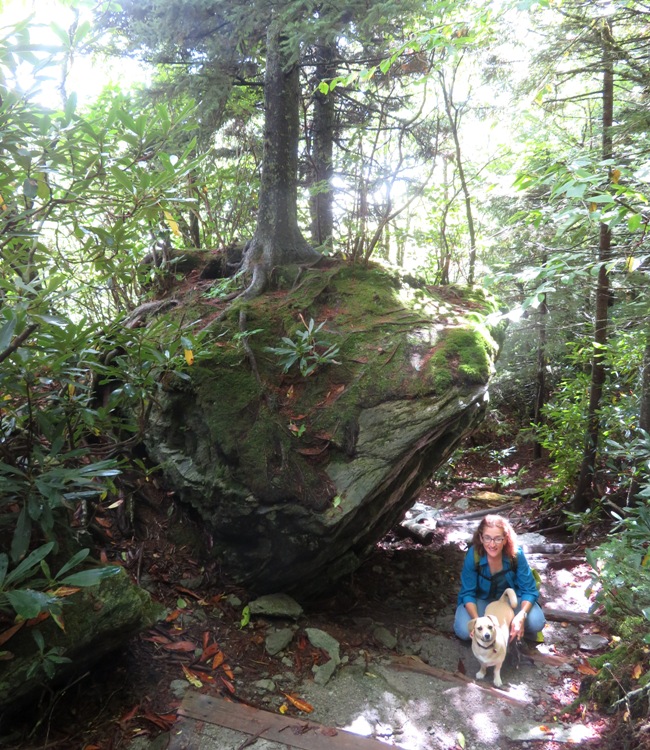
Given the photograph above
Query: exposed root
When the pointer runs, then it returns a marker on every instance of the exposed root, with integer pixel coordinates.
(248, 350)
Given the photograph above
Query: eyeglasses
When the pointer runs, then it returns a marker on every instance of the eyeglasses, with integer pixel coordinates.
(491, 539)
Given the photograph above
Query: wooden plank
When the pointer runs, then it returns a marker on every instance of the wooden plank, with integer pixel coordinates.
(415, 664)
(300, 733)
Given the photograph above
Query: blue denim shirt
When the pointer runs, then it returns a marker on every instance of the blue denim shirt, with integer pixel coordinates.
(481, 584)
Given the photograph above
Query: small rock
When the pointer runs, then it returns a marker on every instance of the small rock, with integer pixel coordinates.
(179, 688)
(276, 605)
(266, 686)
(529, 492)
(384, 637)
(324, 672)
(233, 600)
(321, 639)
(592, 642)
(192, 583)
(462, 503)
(278, 640)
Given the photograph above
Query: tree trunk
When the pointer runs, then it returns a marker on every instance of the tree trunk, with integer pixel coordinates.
(453, 115)
(321, 201)
(584, 489)
(540, 395)
(644, 423)
(278, 240)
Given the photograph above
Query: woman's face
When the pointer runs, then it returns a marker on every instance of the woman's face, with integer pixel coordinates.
(493, 538)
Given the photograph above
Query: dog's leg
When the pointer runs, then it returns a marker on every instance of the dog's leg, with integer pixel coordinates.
(480, 675)
(497, 676)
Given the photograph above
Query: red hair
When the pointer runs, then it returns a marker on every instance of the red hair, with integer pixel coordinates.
(509, 535)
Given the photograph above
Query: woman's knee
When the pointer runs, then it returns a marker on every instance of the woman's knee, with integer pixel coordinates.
(535, 620)
(461, 621)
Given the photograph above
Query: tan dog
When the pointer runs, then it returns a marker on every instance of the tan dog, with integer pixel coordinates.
(490, 634)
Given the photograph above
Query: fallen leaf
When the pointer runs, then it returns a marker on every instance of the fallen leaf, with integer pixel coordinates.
(162, 721)
(218, 660)
(327, 731)
(65, 591)
(191, 677)
(461, 667)
(189, 592)
(162, 639)
(228, 671)
(173, 615)
(4, 637)
(637, 672)
(184, 646)
(129, 716)
(283, 708)
(230, 687)
(209, 651)
(587, 669)
(299, 703)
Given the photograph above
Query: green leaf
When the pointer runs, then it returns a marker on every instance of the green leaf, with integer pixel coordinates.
(90, 577)
(4, 564)
(28, 603)
(633, 223)
(75, 560)
(22, 535)
(245, 616)
(6, 332)
(29, 563)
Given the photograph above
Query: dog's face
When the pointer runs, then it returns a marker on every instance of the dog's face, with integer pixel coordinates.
(485, 629)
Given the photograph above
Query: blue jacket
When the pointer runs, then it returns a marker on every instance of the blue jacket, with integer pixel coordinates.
(481, 584)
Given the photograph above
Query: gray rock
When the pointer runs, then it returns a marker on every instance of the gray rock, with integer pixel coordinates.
(324, 673)
(266, 686)
(384, 637)
(98, 620)
(593, 642)
(276, 605)
(321, 639)
(413, 388)
(277, 640)
(179, 688)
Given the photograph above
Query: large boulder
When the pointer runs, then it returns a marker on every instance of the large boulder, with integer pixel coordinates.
(98, 620)
(297, 476)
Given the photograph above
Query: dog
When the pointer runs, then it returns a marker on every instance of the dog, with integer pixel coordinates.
(490, 634)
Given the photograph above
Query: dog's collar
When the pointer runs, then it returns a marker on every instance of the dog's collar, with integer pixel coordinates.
(490, 645)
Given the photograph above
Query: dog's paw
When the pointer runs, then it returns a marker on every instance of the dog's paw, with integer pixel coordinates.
(497, 681)
(480, 674)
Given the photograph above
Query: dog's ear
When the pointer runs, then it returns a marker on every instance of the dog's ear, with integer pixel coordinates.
(494, 620)
(470, 627)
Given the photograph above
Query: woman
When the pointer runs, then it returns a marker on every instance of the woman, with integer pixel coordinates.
(494, 563)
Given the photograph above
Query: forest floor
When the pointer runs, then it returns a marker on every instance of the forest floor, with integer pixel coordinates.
(406, 590)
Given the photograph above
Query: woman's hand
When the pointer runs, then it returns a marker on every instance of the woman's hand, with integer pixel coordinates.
(517, 626)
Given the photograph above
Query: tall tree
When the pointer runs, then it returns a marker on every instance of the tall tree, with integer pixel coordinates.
(582, 496)
(278, 240)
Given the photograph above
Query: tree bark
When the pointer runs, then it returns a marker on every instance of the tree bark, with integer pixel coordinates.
(322, 156)
(644, 423)
(277, 240)
(583, 494)
(540, 395)
(453, 115)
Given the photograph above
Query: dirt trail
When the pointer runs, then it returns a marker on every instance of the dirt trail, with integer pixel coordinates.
(392, 621)
(406, 680)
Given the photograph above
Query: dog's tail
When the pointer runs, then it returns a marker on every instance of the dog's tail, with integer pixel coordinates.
(511, 596)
